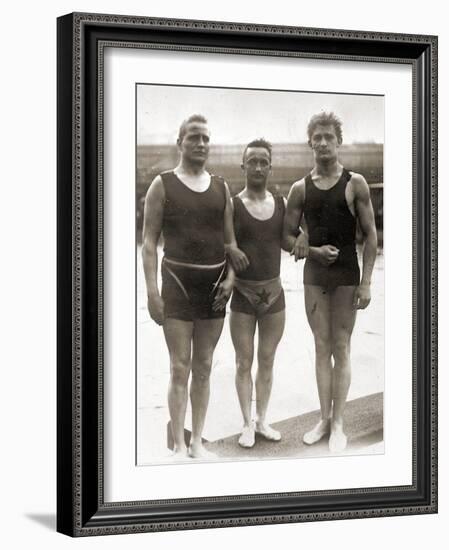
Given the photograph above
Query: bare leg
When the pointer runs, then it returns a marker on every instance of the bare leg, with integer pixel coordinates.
(178, 336)
(317, 302)
(206, 333)
(242, 332)
(343, 319)
(271, 328)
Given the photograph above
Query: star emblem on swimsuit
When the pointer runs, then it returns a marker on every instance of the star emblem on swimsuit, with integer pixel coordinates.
(263, 296)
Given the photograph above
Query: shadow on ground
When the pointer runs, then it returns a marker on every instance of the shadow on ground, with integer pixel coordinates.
(47, 520)
(363, 426)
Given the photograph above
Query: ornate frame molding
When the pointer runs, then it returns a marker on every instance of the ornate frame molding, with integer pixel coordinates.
(81, 510)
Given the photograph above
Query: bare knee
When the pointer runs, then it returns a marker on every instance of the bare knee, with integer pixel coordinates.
(243, 363)
(201, 369)
(201, 378)
(341, 351)
(323, 347)
(180, 371)
(265, 372)
(265, 355)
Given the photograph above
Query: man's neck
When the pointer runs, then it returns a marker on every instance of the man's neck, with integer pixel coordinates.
(328, 169)
(255, 193)
(190, 169)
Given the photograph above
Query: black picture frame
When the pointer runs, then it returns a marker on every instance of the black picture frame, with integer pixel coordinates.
(81, 510)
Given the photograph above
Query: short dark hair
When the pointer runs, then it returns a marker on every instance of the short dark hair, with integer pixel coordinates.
(325, 119)
(183, 127)
(259, 142)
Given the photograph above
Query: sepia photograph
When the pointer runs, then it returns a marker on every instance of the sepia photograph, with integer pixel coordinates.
(259, 274)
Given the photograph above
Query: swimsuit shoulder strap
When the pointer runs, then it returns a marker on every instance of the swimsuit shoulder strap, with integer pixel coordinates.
(170, 183)
(218, 183)
(308, 185)
(346, 175)
(167, 175)
(340, 187)
(280, 201)
(238, 205)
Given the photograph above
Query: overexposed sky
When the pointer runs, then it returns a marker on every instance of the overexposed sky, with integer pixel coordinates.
(238, 116)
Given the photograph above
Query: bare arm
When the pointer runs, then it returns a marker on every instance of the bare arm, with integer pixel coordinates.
(293, 240)
(152, 227)
(365, 215)
(224, 289)
(238, 258)
(293, 215)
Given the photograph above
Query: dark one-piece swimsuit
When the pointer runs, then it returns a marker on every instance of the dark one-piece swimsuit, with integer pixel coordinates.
(194, 256)
(329, 221)
(258, 289)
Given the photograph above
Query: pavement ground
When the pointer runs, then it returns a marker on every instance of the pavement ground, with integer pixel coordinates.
(294, 400)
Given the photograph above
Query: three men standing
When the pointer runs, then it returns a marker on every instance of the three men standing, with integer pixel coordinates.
(193, 210)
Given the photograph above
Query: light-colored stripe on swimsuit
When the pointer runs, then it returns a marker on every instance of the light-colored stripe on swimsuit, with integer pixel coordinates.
(194, 266)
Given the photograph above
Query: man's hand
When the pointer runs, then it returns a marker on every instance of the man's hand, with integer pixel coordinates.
(326, 254)
(223, 294)
(238, 258)
(301, 247)
(362, 296)
(156, 308)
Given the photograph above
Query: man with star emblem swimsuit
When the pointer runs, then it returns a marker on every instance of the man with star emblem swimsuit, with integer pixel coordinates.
(258, 297)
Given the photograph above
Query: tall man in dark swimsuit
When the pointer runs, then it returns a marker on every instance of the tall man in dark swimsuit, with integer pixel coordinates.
(192, 209)
(258, 297)
(332, 200)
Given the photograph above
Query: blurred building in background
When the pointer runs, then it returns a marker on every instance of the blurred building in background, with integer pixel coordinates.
(291, 162)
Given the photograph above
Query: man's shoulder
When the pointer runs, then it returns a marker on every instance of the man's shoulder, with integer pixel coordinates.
(297, 194)
(156, 189)
(359, 186)
(299, 184)
(357, 179)
(298, 187)
(157, 180)
(165, 174)
(161, 178)
(217, 178)
(218, 182)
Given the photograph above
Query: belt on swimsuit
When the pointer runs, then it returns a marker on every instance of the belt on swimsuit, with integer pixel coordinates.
(260, 294)
(194, 266)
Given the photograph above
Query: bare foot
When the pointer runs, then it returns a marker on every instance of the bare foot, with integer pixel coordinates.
(317, 433)
(268, 432)
(248, 436)
(337, 439)
(179, 455)
(198, 451)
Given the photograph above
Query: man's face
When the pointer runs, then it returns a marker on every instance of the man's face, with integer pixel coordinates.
(195, 143)
(257, 165)
(324, 143)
